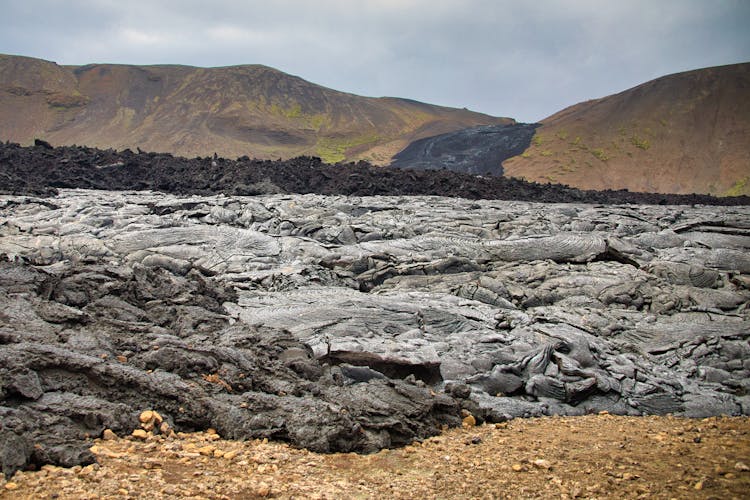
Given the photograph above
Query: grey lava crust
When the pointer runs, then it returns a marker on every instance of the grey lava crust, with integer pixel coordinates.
(344, 323)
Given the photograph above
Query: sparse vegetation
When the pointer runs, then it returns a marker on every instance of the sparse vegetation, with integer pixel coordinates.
(295, 111)
(537, 140)
(600, 154)
(739, 188)
(641, 143)
(546, 153)
(334, 150)
(317, 121)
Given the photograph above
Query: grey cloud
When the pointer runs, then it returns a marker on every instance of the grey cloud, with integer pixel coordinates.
(521, 59)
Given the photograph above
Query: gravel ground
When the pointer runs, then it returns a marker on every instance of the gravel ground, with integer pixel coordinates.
(596, 456)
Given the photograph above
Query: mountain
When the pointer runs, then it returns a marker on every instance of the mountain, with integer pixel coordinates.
(234, 111)
(682, 133)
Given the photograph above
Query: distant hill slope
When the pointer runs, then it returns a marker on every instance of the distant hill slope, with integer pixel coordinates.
(234, 111)
(683, 133)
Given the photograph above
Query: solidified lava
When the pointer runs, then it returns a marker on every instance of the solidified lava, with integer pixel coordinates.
(39, 170)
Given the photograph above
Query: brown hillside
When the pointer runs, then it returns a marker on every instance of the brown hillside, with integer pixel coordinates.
(234, 111)
(683, 133)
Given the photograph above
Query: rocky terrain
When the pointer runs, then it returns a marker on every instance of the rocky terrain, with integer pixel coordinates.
(250, 110)
(348, 323)
(41, 169)
(595, 456)
(478, 150)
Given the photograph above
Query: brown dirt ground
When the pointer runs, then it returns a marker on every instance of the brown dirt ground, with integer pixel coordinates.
(597, 456)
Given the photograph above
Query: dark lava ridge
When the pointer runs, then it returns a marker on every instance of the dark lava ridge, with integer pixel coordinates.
(41, 169)
(475, 150)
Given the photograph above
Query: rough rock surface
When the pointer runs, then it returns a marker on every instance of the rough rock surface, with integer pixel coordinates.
(476, 150)
(42, 169)
(347, 323)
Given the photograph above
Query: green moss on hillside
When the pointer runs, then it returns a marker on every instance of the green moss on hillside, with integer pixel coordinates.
(333, 150)
(739, 188)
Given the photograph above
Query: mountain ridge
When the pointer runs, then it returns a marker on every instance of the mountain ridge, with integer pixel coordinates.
(241, 110)
(681, 133)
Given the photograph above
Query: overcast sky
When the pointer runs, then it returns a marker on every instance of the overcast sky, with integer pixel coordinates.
(524, 59)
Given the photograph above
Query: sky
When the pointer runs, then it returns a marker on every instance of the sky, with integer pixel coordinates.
(522, 59)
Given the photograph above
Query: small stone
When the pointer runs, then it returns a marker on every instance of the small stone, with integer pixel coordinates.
(146, 416)
(122, 359)
(90, 469)
(231, 454)
(140, 434)
(517, 467)
(164, 428)
(469, 421)
(741, 466)
(697, 439)
(11, 486)
(157, 418)
(206, 450)
(542, 463)
(263, 490)
(109, 435)
(122, 491)
(698, 485)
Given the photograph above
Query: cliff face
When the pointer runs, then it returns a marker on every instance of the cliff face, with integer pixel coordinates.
(682, 133)
(234, 111)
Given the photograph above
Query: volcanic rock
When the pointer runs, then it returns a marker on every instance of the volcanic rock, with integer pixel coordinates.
(344, 323)
(40, 171)
(476, 150)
